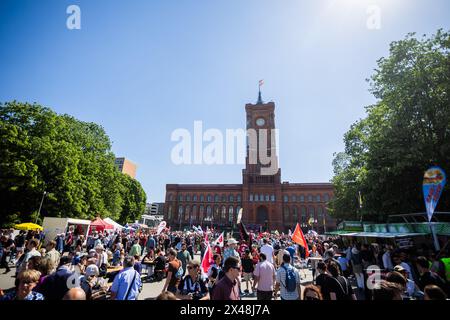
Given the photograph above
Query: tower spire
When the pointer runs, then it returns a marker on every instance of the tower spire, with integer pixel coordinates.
(261, 82)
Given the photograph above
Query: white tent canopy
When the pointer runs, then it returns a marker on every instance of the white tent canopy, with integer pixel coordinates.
(113, 223)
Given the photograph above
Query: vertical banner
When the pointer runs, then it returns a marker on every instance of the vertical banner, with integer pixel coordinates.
(433, 183)
(161, 227)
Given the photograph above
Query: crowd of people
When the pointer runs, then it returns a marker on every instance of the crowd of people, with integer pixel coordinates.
(115, 264)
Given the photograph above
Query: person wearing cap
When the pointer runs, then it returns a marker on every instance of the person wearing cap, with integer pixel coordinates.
(89, 280)
(411, 287)
(102, 260)
(231, 250)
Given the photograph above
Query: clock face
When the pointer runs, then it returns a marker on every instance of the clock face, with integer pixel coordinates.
(260, 121)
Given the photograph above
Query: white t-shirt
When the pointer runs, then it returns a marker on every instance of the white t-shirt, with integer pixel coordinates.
(267, 249)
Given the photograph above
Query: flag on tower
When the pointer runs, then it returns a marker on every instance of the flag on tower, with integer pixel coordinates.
(261, 82)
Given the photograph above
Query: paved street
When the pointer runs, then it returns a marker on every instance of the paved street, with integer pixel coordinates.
(150, 290)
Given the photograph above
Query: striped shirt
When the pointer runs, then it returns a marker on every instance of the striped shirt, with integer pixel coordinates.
(281, 279)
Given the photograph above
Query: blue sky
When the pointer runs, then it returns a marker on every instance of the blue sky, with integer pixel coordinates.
(142, 69)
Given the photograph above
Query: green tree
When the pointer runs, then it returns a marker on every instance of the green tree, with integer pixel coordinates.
(69, 159)
(404, 133)
(134, 200)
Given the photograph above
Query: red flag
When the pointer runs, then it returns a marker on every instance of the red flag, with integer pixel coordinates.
(299, 238)
(207, 259)
(220, 240)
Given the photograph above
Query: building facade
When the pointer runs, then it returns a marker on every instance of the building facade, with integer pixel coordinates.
(267, 202)
(126, 166)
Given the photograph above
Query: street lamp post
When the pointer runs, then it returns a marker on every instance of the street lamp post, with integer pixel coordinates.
(40, 206)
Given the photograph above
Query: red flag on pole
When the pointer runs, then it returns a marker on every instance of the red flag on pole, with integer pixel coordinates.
(220, 240)
(299, 238)
(207, 259)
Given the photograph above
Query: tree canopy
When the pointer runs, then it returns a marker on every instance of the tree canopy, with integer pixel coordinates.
(404, 133)
(69, 159)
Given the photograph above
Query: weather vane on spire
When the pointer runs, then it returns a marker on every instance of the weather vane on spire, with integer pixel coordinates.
(261, 82)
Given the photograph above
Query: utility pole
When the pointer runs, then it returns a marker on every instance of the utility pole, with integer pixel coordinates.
(40, 206)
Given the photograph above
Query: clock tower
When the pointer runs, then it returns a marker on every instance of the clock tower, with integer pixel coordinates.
(262, 194)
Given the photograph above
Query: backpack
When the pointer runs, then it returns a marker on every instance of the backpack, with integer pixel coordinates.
(180, 272)
(290, 281)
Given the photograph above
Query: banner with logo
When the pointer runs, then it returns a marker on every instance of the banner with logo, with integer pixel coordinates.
(433, 183)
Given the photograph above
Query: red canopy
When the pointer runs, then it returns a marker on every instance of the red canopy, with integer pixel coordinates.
(99, 225)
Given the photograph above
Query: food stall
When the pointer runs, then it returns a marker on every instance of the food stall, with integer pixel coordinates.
(54, 226)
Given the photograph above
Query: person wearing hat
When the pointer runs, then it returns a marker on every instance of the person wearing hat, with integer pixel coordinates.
(411, 287)
(89, 280)
(231, 251)
(102, 259)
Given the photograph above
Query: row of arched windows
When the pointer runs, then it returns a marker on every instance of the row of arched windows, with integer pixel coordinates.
(306, 198)
(201, 213)
(206, 198)
(305, 215)
(261, 197)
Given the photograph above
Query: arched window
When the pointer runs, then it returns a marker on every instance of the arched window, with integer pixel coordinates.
(272, 198)
(318, 198)
(194, 213)
(216, 198)
(285, 198)
(201, 213)
(230, 214)
(326, 197)
(303, 213)
(286, 214)
(224, 213)
(250, 197)
(187, 213)
(169, 213)
(256, 197)
(208, 212)
(261, 197)
(231, 198)
(188, 197)
(310, 198)
(294, 214)
(194, 198)
(180, 211)
(320, 215)
(170, 197)
(302, 198)
(311, 213)
(209, 198)
(180, 197)
(239, 198)
(216, 213)
(267, 198)
(202, 198)
(293, 198)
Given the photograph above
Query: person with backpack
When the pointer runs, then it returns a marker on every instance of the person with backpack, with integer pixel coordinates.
(288, 280)
(338, 286)
(174, 272)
